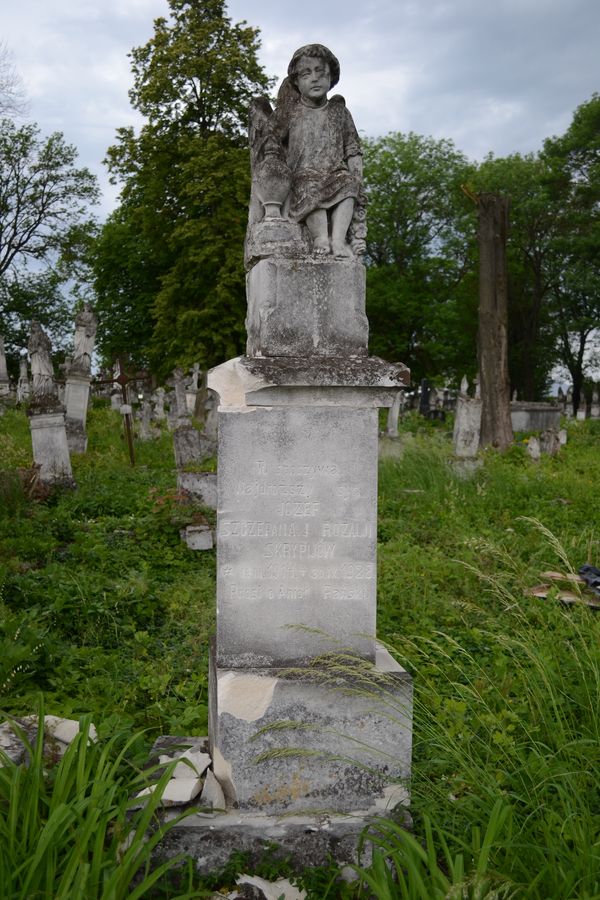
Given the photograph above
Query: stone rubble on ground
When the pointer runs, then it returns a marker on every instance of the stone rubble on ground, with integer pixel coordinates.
(58, 734)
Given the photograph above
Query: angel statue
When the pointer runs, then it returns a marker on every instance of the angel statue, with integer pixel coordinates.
(306, 157)
(86, 324)
(40, 355)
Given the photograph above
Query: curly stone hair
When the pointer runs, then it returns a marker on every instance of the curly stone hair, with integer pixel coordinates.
(318, 51)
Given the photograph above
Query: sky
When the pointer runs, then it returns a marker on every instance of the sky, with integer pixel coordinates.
(494, 76)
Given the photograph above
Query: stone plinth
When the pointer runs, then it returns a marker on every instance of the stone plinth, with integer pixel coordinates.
(190, 446)
(275, 237)
(315, 739)
(527, 416)
(202, 485)
(50, 447)
(297, 532)
(77, 395)
(296, 579)
(297, 507)
(312, 308)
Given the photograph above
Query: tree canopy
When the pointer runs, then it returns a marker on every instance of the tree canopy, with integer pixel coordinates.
(185, 188)
(45, 227)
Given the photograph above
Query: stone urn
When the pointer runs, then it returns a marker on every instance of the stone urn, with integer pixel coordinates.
(274, 182)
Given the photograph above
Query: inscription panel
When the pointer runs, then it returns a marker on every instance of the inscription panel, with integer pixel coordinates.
(296, 533)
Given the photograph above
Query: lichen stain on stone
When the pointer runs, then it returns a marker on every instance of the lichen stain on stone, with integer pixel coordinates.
(246, 697)
(294, 790)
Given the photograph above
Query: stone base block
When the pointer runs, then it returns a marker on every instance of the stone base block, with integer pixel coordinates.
(50, 447)
(76, 437)
(197, 537)
(296, 532)
(190, 446)
(202, 485)
(77, 394)
(334, 736)
(304, 308)
(527, 416)
(303, 841)
(275, 237)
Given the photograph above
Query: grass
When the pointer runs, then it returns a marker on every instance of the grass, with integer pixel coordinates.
(98, 587)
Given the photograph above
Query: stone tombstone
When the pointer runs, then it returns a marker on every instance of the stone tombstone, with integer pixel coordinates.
(23, 385)
(569, 412)
(467, 423)
(181, 406)
(297, 484)
(595, 406)
(394, 415)
(145, 431)
(190, 446)
(582, 411)
(529, 416)
(534, 449)
(202, 485)
(4, 380)
(550, 441)
(46, 414)
(116, 398)
(158, 401)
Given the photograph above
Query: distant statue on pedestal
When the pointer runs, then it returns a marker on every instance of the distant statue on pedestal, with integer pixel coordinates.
(40, 355)
(86, 324)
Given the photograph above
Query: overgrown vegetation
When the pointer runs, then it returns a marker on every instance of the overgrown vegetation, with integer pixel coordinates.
(107, 612)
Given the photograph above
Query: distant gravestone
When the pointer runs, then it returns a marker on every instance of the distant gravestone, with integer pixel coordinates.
(595, 407)
(190, 446)
(47, 414)
(158, 400)
(550, 442)
(467, 423)
(4, 380)
(394, 415)
(23, 386)
(533, 448)
(569, 412)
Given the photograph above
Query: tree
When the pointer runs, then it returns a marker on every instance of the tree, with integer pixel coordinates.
(533, 263)
(12, 95)
(185, 187)
(419, 254)
(44, 225)
(573, 162)
(492, 344)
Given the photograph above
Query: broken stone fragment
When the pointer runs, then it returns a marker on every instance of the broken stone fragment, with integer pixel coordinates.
(58, 734)
(212, 793)
(197, 762)
(177, 791)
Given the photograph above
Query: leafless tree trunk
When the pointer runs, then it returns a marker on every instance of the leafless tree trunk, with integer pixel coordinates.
(496, 427)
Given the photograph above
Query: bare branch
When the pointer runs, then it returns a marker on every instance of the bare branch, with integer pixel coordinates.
(13, 100)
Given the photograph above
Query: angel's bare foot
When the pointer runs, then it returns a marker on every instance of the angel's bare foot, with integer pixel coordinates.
(341, 250)
(321, 246)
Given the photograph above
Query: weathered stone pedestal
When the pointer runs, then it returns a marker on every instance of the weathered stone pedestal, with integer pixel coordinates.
(306, 713)
(77, 394)
(306, 309)
(49, 444)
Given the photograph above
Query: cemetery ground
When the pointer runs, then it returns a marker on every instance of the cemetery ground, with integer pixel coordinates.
(105, 613)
